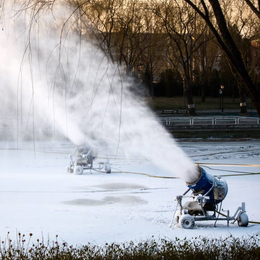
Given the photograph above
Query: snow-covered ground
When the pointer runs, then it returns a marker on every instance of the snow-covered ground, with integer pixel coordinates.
(57, 84)
(134, 202)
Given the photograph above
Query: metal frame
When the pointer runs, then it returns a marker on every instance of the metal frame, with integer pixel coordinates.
(204, 213)
(80, 161)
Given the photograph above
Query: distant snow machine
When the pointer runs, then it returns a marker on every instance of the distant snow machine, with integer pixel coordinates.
(82, 159)
(207, 193)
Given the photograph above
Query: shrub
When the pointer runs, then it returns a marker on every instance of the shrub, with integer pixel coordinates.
(152, 249)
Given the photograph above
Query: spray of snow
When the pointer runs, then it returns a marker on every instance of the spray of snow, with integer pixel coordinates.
(54, 82)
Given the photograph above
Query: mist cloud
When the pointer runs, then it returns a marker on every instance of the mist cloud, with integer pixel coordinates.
(54, 82)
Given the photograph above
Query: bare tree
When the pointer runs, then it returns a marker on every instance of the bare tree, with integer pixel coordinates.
(243, 29)
(253, 7)
(187, 35)
(207, 57)
(226, 42)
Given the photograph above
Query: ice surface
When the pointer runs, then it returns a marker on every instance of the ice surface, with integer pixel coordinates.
(38, 196)
(59, 91)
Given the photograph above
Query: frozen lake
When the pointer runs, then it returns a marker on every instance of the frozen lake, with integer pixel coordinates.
(134, 202)
(57, 85)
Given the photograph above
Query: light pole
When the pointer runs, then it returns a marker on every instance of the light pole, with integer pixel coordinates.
(221, 97)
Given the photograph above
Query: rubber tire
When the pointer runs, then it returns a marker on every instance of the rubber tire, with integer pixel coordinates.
(177, 216)
(78, 170)
(242, 220)
(187, 221)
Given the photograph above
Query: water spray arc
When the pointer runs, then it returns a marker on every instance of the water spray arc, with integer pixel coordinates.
(76, 93)
(208, 193)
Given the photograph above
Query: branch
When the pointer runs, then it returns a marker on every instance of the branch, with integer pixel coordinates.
(253, 8)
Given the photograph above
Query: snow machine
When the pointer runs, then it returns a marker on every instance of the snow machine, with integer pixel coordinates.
(207, 195)
(82, 159)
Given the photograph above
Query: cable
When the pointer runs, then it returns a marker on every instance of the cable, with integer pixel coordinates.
(174, 177)
(240, 173)
(233, 164)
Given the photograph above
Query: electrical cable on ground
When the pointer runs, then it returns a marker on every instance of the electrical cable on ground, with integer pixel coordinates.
(240, 173)
(168, 177)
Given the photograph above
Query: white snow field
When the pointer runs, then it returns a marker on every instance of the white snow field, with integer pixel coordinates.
(54, 83)
(134, 202)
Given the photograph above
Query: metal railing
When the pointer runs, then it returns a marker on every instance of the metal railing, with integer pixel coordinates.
(170, 121)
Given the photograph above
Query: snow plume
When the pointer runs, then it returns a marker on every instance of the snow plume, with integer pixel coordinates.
(54, 82)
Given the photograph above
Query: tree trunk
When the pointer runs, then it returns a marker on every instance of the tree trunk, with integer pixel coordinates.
(189, 96)
(234, 55)
(256, 10)
(227, 44)
(242, 97)
(203, 95)
(152, 88)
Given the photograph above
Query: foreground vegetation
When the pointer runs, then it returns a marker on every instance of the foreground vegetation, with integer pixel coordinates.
(198, 248)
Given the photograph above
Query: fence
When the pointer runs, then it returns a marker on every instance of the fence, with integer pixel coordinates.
(211, 121)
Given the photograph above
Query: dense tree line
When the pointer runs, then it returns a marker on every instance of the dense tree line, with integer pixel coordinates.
(175, 47)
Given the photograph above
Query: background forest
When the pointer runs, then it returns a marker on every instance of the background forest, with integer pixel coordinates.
(177, 48)
(173, 47)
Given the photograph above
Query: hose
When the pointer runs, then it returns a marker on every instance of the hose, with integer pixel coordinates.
(167, 177)
(173, 177)
(145, 174)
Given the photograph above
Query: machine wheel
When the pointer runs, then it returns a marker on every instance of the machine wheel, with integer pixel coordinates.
(177, 216)
(242, 220)
(187, 221)
(78, 170)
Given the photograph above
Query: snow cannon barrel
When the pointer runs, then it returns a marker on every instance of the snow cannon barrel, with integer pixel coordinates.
(214, 189)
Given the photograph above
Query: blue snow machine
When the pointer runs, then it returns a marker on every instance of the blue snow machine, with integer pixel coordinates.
(207, 194)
